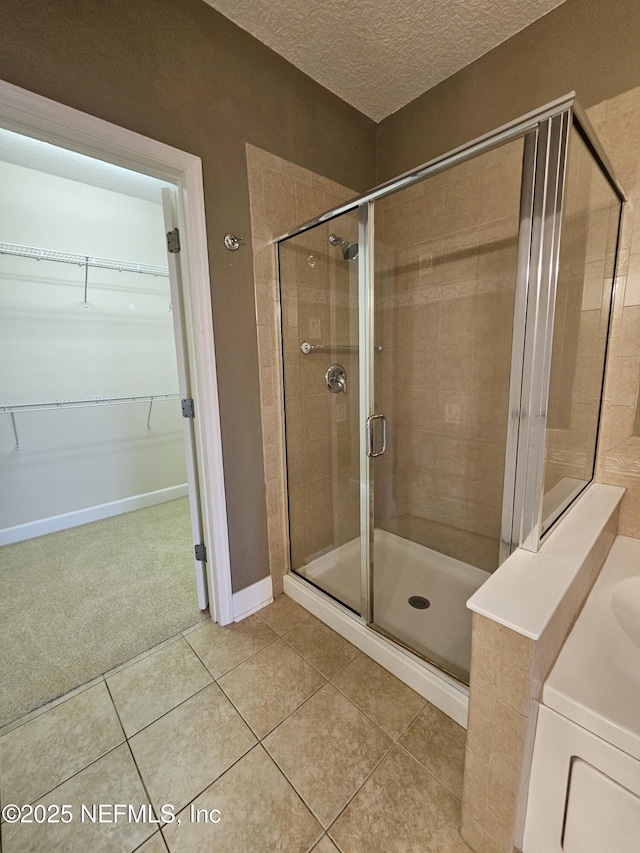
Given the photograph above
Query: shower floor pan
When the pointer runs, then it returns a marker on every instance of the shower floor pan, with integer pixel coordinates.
(403, 569)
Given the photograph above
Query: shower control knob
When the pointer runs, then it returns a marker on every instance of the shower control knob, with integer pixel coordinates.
(336, 379)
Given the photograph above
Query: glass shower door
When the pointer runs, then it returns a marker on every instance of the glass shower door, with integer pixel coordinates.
(319, 299)
(443, 312)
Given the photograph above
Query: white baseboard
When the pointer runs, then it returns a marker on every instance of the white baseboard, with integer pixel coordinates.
(451, 697)
(91, 513)
(252, 598)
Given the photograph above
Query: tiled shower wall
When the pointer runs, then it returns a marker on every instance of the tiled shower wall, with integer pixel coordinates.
(617, 123)
(320, 306)
(587, 253)
(283, 195)
(445, 275)
(443, 314)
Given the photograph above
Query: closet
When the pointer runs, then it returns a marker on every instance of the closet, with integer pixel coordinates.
(90, 422)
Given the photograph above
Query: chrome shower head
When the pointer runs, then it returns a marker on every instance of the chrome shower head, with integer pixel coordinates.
(349, 249)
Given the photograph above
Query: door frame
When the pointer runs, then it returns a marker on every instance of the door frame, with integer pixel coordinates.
(33, 115)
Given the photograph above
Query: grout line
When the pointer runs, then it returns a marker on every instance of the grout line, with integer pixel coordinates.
(147, 653)
(165, 713)
(360, 787)
(115, 710)
(368, 716)
(40, 797)
(49, 705)
(291, 713)
(430, 772)
(153, 835)
(305, 659)
(144, 788)
(140, 772)
(414, 718)
(384, 755)
(298, 795)
(87, 685)
(235, 666)
(213, 782)
(260, 739)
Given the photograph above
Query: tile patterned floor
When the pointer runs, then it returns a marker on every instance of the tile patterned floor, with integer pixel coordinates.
(276, 725)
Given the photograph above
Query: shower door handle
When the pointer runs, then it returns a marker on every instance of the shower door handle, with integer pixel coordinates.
(371, 430)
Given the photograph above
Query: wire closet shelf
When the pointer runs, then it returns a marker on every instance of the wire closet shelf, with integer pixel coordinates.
(81, 260)
(12, 409)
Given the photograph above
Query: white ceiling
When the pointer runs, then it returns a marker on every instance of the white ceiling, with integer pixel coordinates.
(380, 55)
(44, 157)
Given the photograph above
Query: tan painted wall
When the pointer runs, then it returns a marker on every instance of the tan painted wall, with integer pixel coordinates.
(590, 46)
(179, 72)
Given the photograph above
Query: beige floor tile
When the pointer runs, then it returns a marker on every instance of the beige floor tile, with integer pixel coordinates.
(156, 684)
(284, 614)
(222, 648)
(401, 807)
(111, 779)
(270, 685)
(321, 646)
(145, 654)
(438, 743)
(37, 712)
(154, 845)
(259, 811)
(186, 750)
(42, 753)
(326, 749)
(325, 845)
(382, 697)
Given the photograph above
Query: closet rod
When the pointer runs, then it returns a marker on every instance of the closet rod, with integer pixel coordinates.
(12, 408)
(9, 408)
(81, 260)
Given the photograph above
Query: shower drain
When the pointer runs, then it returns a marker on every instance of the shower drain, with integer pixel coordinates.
(419, 602)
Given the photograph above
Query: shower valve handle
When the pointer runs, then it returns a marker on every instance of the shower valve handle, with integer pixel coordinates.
(336, 379)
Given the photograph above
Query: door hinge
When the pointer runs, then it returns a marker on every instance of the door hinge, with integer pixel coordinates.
(188, 410)
(201, 553)
(173, 241)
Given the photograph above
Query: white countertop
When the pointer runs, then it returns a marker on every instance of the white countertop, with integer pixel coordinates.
(596, 679)
(525, 591)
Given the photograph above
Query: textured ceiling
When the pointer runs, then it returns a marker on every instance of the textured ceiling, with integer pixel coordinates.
(380, 55)
(43, 157)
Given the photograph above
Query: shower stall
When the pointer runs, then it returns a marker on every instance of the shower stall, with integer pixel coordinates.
(443, 351)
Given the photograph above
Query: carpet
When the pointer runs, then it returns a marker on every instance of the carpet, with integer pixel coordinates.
(76, 603)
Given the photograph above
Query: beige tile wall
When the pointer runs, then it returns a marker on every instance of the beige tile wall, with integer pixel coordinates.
(283, 195)
(446, 256)
(617, 123)
(436, 281)
(320, 306)
(587, 251)
(507, 674)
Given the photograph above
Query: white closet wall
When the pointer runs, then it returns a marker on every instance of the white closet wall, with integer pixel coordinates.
(52, 347)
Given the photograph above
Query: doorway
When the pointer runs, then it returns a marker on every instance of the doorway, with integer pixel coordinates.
(132, 500)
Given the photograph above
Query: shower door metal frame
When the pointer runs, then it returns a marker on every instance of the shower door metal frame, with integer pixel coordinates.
(536, 290)
(536, 284)
(366, 349)
(545, 132)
